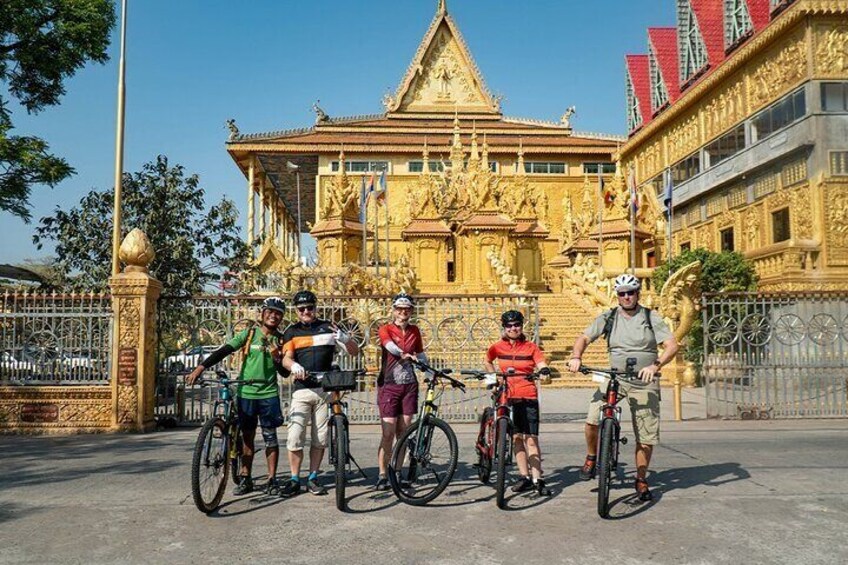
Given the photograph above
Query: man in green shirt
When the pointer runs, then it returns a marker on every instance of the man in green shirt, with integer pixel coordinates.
(257, 403)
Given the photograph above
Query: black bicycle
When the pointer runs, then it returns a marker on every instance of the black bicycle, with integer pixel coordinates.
(494, 440)
(609, 427)
(218, 449)
(337, 383)
(424, 458)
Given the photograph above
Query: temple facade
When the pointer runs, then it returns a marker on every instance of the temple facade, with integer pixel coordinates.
(472, 200)
(739, 117)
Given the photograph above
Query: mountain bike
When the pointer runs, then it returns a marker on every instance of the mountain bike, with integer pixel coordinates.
(494, 441)
(218, 449)
(337, 383)
(609, 427)
(424, 458)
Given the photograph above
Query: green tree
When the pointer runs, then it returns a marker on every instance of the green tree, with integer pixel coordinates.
(195, 245)
(42, 43)
(720, 272)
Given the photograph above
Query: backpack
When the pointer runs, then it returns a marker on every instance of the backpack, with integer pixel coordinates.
(609, 321)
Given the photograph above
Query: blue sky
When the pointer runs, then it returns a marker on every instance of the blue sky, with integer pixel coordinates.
(191, 64)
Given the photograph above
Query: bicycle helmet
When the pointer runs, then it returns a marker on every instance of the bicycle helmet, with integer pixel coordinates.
(304, 297)
(626, 282)
(402, 300)
(274, 303)
(512, 316)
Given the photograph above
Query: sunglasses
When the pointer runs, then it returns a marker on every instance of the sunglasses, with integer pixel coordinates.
(308, 308)
(627, 293)
(511, 326)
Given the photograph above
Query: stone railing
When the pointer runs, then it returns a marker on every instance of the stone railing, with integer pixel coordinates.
(506, 280)
(776, 261)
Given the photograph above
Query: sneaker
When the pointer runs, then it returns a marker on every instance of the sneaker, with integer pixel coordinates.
(313, 486)
(290, 488)
(645, 493)
(587, 473)
(272, 487)
(522, 484)
(382, 483)
(541, 489)
(245, 486)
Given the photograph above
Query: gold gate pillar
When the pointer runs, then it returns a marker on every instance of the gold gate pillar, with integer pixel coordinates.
(134, 296)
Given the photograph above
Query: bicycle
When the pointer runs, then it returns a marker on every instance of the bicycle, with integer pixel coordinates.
(337, 383)
(609, 434)
(494, 441)
(218, 449)
(423, 461)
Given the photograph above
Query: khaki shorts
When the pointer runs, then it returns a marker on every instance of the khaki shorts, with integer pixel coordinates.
(308, 405)
(644, 410)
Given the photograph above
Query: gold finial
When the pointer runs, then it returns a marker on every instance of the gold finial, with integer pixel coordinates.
(136, 252)
(520, 170)
(443, 8)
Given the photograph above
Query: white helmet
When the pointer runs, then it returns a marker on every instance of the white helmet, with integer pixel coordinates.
(402, 300)
(626, 282)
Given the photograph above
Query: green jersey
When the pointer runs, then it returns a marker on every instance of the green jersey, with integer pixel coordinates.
(259, 365)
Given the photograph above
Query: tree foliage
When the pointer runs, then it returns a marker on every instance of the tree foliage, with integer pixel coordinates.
(194, 246)
(42, 43)
(720, 272)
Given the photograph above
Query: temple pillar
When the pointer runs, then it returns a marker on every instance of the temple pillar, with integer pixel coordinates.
(134, 295)
(251, 208)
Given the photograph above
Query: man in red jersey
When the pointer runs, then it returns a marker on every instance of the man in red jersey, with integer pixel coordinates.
(515, 351)
(397, 393)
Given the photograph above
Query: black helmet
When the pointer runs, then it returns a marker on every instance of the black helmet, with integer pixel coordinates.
(274, 303)
(304, 297)
(402, 300)
(511, 316)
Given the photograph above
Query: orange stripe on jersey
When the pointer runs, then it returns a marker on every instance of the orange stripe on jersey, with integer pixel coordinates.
(304, 341)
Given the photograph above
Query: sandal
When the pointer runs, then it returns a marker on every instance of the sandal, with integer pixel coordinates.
(642, 489)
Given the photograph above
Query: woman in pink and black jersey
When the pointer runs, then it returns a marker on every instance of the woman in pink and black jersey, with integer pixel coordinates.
(397, 392)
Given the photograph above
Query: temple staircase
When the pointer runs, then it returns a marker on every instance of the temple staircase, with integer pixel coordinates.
(563, 317)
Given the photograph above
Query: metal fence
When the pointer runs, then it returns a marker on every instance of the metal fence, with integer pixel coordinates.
(49, 339)
(457, 330)
(776, 355)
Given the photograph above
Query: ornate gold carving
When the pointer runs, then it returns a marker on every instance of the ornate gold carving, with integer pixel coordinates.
(753, 220)
(651, 160)
(683, 138)
(680, 299)
(837, 225)
(340, 195)
(129, 321)
(567, 227)
(136, 252)
(705, 236)
(83, 407)
(724, 110)
(509, 282)
(802, 213)
(778, 71)
(127, 404)
(831, 50)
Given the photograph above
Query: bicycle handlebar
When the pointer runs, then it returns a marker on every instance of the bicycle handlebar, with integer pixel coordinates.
(319, 375)
(626, 376)
(439, 374)
(480, 375)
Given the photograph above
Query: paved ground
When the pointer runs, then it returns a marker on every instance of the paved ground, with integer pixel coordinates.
(727, 492)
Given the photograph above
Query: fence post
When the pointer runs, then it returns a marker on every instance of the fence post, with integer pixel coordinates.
(134, 296)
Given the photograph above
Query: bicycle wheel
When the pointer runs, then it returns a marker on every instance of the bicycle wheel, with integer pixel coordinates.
(605, 466)
(209, 466)
(421, 467)
(340, 433)
(235, 457)
(501, 450)
(484, 446)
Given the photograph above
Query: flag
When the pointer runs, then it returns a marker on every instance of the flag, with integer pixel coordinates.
(380, 194)
(369, 186)
(669, 187)
(634, 194)
(607, 195)
(363, 198)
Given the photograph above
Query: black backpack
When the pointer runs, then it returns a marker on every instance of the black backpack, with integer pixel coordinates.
(609, 321)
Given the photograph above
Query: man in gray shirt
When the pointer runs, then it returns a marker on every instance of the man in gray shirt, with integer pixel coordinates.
(631, 331)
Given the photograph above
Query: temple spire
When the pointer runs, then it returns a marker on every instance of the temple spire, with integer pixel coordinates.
(443, 8)
(475, 155)
(520, 166)
(485, 153)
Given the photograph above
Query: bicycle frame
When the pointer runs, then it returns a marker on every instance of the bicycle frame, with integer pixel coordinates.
(337, 407)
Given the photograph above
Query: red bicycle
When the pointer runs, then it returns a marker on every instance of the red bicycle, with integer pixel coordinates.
(494, 441)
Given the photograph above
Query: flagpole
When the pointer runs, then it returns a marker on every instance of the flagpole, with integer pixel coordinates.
(119, 149)
(363, 218)
(601, 219)
(670, 206)
(376, 236)
(632, 183)
(388, 256)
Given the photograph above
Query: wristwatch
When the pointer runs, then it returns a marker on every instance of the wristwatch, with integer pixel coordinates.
(658, 363)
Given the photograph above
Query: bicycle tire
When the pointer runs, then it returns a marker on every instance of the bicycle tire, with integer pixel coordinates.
(501, 448)
(235, 462)
(605, 461)
(210, 458)
(484, 446)
(341, 460)
(407, 482)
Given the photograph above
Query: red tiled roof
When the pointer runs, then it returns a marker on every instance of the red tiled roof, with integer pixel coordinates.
(710, 17)
(640, 76)
(664, 42)
(759, 12)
